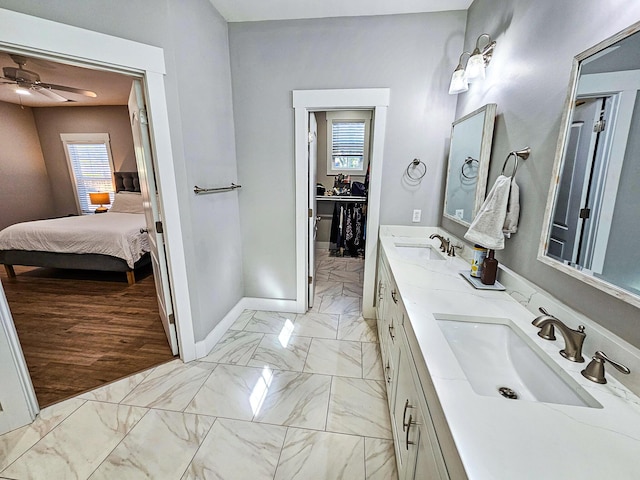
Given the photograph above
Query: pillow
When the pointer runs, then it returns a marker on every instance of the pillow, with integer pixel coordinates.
(127, 203)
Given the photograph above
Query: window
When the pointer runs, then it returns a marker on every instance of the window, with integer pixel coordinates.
(90, 166)
(347, 142)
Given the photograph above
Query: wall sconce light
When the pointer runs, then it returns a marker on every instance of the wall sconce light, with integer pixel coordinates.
(476, 64)
(459, 81)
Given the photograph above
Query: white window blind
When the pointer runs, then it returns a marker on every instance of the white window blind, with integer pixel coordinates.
(348, 145)
(89, 157)
(348, 136)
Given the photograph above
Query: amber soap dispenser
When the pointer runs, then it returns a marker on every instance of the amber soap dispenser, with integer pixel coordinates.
(489, 269)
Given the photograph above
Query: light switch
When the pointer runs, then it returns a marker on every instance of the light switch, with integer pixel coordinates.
(417, 214)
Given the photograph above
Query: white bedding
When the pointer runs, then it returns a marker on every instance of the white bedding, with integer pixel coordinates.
(114, 234)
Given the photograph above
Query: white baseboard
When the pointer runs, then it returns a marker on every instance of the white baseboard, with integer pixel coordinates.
(271, 305)
(205, 346)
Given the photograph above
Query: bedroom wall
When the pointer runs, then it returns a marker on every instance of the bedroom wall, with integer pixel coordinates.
(52, 121)
(24, 183)
(194, 38)
(413, 55)
(528, 80)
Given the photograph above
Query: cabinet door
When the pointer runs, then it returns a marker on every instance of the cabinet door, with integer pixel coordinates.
(382, 306)
(418, 453)
(404, 417)
(428, 461)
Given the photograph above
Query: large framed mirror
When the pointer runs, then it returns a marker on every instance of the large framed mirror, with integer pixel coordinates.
(469, 156)
(591, 225)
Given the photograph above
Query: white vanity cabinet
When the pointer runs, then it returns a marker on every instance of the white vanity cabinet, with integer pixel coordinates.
(417, 447)
(389, 320)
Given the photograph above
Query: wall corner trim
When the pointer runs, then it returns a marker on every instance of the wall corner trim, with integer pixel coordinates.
(204, 347)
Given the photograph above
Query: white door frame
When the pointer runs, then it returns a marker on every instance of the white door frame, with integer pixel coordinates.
(40, 37)
(21, 406)
(305, 101)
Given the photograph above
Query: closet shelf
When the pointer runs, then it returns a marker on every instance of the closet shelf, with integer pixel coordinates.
(341, 198)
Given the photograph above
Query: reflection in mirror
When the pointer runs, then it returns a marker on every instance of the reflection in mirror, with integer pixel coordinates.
(469, 155)
(591, 227)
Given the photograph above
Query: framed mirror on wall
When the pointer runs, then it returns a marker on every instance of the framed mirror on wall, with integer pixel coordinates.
(591, 226)
(468, 167)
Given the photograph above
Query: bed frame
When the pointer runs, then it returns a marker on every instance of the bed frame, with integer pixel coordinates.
(125, 181)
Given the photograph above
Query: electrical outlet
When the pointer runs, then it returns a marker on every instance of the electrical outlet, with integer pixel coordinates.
(417, 214)
(459, 213)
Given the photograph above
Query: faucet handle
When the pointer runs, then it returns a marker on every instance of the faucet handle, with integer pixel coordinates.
(547, 332)
(451, 252)
(595, 370)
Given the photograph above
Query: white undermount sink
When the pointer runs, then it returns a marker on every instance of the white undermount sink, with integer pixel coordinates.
(417, 252)
(494, 355)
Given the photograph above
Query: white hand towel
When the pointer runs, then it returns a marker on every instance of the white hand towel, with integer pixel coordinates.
(486, 228)
(513, 210)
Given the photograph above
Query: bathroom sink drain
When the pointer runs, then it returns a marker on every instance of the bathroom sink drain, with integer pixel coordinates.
(506, 392)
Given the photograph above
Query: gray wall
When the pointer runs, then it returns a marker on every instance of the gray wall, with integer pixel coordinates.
(53, 121)
(528, 79)
(413, 55)
(194, 38)
(24, 184)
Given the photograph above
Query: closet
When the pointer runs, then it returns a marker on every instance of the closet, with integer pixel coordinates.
(343, 143)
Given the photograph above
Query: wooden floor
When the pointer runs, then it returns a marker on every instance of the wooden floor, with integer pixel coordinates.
(78, 332)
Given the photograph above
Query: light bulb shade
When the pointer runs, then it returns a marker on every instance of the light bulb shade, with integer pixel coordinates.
(475, 68)
(101, 198)
(458, 83)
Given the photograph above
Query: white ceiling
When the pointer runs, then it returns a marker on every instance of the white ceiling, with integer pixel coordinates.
(256, 10)
(111, 88)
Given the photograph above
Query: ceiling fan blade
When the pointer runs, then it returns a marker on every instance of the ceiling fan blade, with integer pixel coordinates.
(51, 94)
(62, 88)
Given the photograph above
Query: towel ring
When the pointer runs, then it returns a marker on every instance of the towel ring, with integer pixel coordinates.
(415, 163)
(523, 154)
(469, 161)
(515, 165)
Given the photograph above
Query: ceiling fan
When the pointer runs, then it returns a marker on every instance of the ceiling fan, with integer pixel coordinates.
(30, 81)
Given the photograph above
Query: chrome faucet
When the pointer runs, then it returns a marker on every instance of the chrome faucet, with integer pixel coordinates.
(573, 339)
(444, 243)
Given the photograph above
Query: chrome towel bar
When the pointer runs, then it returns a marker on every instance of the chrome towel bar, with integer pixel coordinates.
(198, 190)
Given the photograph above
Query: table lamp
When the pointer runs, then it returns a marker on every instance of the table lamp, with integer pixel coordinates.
(100, 198)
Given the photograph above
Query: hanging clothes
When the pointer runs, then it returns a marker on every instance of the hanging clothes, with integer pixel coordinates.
(347, 229)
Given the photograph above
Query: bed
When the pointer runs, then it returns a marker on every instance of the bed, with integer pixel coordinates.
(115, 241)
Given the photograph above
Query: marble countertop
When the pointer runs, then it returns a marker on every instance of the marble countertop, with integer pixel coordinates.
(499, 438)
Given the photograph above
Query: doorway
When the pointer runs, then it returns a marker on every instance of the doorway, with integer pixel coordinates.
(60, 41)
(69, 347)
(304, 102)
(339, 160)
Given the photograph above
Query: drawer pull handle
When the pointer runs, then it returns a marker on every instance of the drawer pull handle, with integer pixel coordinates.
(387, 368)
(394, 295)
(404, 415)
(391, 332)
(407, 442)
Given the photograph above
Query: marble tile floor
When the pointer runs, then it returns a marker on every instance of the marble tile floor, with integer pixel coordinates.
(281, 396)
